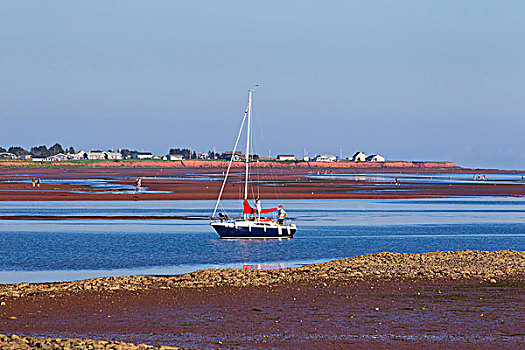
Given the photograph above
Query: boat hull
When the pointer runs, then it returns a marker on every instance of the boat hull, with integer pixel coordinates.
(249, 231)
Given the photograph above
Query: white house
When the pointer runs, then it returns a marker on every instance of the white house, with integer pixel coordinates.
(114, 155)
(58, 157)
(96, 155)
(325, 158)
(237, 157)
(283, 157)
(80, 155)
(375, 158)
(7, 155)
(175, 157)
(143, 155)
(359, 157)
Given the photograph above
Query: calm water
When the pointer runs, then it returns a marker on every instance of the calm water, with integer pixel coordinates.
(514, 179)
(38, 250)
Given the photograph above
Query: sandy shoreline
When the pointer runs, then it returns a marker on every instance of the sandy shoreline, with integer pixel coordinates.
(441, 299)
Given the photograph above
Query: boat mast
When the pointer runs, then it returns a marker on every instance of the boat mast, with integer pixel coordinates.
(248, 132)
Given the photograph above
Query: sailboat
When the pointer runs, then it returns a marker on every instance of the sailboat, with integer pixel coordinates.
(251, 224)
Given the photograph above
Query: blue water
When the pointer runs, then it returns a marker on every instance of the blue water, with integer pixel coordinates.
(514, 179)
(39, 250)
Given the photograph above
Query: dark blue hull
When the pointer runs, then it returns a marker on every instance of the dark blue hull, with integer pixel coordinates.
(254, 232)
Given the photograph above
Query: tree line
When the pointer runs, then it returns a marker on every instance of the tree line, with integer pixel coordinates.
(38, 151)
(43, 151)
(186, 152)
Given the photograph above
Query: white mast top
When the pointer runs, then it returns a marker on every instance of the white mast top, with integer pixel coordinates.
(248, 132)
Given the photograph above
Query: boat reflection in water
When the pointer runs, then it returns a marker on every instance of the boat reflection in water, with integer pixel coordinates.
(279, 266)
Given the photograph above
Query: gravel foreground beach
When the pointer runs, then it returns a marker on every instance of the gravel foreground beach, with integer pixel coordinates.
(461, 299)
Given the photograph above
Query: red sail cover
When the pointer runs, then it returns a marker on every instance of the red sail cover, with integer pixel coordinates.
(247, 208)
(250, 210)
(268, 210)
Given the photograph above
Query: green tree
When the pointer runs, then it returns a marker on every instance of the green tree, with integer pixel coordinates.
(39, 151)
(184, 151)
(71, 150)
(55, 149)
(126, 153)
(2, 149)
(18, 151)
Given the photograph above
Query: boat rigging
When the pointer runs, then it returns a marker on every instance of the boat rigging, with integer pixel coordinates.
(251, 224)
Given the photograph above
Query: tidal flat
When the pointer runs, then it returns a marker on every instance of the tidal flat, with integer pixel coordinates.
(446, 299)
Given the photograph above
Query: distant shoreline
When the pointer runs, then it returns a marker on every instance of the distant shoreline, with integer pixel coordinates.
(224, 164)
(298, 166)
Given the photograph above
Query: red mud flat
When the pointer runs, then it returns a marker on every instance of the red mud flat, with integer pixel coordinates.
(204, 184)
(380, 314)
(441, 300)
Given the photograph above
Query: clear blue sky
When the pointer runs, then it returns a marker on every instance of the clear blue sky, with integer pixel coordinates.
(423, 80)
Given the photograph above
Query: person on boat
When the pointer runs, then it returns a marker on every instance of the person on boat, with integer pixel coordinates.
(281, 214)
(223, 217)
(257, 208)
